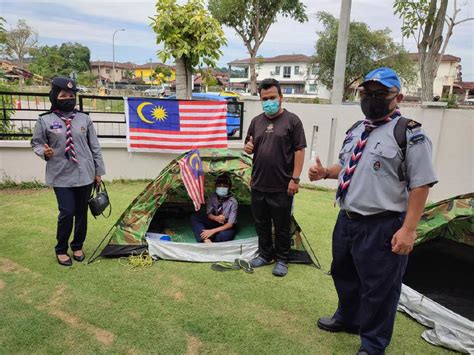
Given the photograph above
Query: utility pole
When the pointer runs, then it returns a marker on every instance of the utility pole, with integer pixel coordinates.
(113, 54)
(337, 92)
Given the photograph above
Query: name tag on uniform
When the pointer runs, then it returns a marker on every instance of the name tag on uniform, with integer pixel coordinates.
(56, 127)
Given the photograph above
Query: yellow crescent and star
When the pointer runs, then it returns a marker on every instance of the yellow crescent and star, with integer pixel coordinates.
(194, 161)
(159, 113)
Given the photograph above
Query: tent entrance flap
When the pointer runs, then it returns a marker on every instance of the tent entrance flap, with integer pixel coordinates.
(441, 269)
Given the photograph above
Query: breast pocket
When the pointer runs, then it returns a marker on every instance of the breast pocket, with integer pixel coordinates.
(383, 159)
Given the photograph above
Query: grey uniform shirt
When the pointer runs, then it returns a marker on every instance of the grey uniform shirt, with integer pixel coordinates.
(229, 207)
(60, 171)
(375, 186)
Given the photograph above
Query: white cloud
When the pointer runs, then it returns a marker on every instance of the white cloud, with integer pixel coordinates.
(285, 36)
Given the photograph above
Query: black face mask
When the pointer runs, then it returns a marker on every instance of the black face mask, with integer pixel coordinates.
(66, 105)
(375, 108)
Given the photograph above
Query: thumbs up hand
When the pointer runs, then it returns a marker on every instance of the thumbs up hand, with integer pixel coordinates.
(48, 151)
(317, 171)
(249, 146)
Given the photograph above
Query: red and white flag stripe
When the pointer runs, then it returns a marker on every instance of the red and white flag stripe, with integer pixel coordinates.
(194, 187)
(202, 125)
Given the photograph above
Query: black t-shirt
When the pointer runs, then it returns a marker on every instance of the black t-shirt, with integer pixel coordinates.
(275, 142)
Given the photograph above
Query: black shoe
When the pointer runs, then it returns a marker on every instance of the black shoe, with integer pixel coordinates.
(68, 262)
(362, 352)
(79, 258)
(329, 324)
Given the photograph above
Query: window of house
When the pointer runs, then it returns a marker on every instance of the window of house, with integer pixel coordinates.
(313, 70)
(287, 72)
(277, 70)
(107, 71)
(312, 87)
(297, 70)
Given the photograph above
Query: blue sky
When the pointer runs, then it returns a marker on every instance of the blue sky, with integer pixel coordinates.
(92, 23)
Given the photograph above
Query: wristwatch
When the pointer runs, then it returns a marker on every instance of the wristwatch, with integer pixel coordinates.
(295, 179)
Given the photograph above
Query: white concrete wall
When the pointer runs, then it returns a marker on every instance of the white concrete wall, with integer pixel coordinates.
(451, 132)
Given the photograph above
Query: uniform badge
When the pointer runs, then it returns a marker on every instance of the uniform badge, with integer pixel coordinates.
(56, 127)
(69, 84)
(376, 165)
(417, 138)
(269, 128)
(83, 129)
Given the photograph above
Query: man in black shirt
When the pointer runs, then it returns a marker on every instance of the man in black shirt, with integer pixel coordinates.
(277, 140)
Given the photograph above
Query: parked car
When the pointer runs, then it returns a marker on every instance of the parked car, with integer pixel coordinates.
(233, 110)
(162, 90)
(81, 88)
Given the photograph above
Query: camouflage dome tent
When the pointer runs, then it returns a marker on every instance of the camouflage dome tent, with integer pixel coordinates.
(164, 208)
(438, 287)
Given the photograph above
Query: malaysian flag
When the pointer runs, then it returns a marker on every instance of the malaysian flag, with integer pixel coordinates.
(155, 125)
(193, 177)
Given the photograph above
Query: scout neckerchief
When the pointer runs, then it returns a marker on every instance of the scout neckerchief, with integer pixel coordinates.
(357, 153)
(69, 151)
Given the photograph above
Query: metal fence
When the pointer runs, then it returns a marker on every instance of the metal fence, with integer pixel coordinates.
(108, 114)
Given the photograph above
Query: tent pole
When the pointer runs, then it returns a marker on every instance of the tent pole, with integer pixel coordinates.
(317, 263)
(91, 258)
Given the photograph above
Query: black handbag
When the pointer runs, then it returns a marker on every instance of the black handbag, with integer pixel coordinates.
(99, 202)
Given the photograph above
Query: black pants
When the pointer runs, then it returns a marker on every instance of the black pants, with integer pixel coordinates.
(72, 205)
(367, 276)
(276, 207)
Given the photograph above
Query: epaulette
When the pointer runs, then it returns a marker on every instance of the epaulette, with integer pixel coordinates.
(412, 124)
(354, 126)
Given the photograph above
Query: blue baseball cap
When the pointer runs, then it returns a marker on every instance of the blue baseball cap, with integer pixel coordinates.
(385, 76)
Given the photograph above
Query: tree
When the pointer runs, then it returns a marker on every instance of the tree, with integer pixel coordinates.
(163, 74)
(189, 34)
(77, 57)
(3, 32)
(20, 41)
(129, 74)
(366, 50)
(87, 78)
(424, 21)
(47, 61)
(60, 60)
(251, 19)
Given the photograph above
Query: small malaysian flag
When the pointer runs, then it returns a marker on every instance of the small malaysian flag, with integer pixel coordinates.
(175, 126)
(193, 177)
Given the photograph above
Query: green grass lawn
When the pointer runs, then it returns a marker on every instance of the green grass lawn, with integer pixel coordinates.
(171, 307)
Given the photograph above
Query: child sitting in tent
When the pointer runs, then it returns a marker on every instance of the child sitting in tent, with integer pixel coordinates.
(221, 209)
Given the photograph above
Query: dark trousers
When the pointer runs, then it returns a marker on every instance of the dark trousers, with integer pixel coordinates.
(367, 276)
(268, 207)
(199, 222)
(72, 205)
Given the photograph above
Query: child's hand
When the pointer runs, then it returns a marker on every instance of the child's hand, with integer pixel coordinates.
(220, 219)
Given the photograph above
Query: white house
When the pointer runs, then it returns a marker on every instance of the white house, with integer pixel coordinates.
(446, 78)
(295, 73)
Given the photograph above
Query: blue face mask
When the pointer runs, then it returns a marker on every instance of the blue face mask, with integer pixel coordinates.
(271, 107)
(222, 191)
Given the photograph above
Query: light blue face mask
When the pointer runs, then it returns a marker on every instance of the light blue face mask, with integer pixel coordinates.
(222, 191)
(271, 107)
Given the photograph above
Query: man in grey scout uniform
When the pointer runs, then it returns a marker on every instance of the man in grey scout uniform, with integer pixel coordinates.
(384, 173)
(67, 141)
